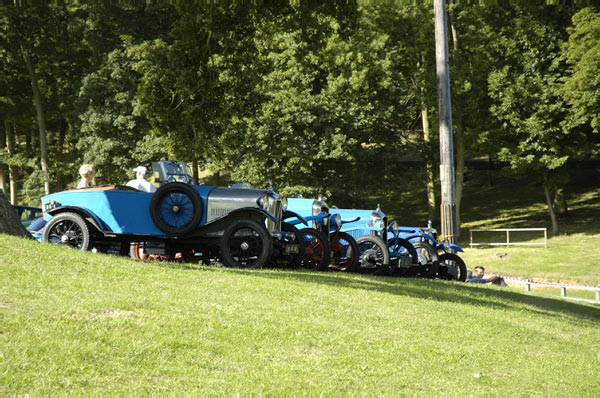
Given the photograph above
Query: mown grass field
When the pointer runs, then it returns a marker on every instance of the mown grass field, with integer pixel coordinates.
(79, 322)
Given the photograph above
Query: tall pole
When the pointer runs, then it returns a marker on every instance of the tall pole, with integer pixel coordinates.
(448, 202)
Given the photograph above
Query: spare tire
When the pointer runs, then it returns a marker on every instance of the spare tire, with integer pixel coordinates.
(176, 208)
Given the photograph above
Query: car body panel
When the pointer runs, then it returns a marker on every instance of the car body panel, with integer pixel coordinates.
(118, 211)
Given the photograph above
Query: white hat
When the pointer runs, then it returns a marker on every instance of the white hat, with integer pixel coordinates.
(140, 169)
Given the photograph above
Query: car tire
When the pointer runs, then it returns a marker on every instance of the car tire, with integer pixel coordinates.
(374, 256)
(69, 229)
(404, 251)
(317, 250)
(246, 244)
(429, 262)
(344, 252)
(176, 208)
(448, 260)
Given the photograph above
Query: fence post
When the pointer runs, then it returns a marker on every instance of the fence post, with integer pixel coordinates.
(563, 292)
(527, 287)
(507, 238)
(597, 295)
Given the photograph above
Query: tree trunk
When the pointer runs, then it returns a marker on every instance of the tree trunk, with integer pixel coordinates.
(429, 167)
(37, 97)
(195, 173)
(548, 195)
(2, 180)
(12, 171)
(490, 171)
(459, 140)
(560, 203)
(9, 220)
(2, 145)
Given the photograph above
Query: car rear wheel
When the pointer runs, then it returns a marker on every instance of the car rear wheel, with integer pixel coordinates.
(176, 208)
(429, 263)
(317, 250)
(344, 252)
(68, 229)
(374, 256)
(246, 244)
(452, 267)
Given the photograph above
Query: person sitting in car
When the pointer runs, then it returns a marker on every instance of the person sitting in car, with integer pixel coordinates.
(140, 181)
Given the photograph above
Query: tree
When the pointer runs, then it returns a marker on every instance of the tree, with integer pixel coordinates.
(526, 100)
(581, 84)
(9, 220)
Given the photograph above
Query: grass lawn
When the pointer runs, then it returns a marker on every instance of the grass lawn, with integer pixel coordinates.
(79, 322)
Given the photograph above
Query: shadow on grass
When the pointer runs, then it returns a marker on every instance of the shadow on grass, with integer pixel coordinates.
(457, 292)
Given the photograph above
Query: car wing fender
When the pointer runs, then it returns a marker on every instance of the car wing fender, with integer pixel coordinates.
(350, 221)
(318, 218)
(420, 236)
(85, 213)
(291, 214)
(452, 246)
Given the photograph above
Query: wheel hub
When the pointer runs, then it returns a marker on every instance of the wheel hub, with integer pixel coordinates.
(176, 209)
(64, 239)
(245, 246)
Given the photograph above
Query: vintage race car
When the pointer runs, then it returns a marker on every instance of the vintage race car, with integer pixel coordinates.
(240, 227)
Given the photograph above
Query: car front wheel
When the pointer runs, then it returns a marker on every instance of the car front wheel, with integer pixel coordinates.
(246, 244)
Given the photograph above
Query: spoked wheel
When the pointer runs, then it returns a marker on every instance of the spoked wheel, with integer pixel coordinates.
(429, 262)
(176, 208)
(68, 229)
(289, 251)
(344, 252)
(246, 244)
(404, 257)
(452, 267)
(374, 256)
(317, 250)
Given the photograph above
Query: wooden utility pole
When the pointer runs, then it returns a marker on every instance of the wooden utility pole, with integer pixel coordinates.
(448, 203)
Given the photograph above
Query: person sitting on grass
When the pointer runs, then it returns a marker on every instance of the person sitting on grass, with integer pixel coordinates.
(479, 277)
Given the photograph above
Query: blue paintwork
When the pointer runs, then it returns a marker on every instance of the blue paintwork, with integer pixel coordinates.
(118, 211)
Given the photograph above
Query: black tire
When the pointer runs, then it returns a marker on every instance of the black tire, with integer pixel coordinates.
(291, 239)
(429, 262)
(176, 208)
(405, 257)
(452, 267)
(317, 253)
(246, 244)
(374, 256)
(344, 252)
(68, 229)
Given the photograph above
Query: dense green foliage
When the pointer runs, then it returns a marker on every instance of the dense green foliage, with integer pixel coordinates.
(313, 99)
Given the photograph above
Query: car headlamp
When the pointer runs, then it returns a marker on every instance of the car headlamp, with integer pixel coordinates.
(377, 218)
(316, 207)
(337, 219)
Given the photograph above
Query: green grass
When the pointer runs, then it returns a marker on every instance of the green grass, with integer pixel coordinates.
(88, 323)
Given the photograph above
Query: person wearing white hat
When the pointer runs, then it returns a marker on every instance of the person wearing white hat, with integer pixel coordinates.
(140, 180)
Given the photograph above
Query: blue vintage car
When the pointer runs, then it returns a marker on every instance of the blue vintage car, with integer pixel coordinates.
(240, 227)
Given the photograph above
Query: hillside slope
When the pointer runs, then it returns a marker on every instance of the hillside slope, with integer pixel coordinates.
(80, 322)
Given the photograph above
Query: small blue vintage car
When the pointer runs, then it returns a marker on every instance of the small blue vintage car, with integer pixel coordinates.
(239, 227)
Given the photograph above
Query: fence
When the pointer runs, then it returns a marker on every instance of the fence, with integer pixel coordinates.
(508, 243)
(562, 286)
